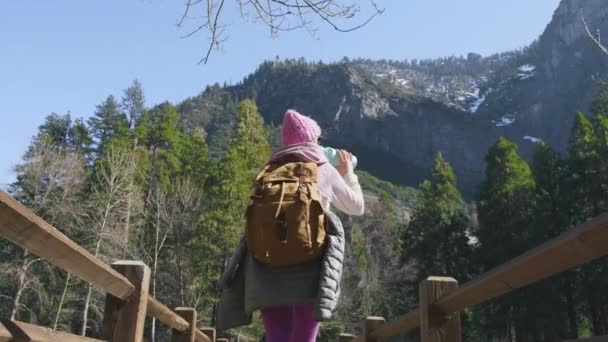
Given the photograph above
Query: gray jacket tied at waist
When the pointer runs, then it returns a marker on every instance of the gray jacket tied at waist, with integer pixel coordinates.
(247, 285)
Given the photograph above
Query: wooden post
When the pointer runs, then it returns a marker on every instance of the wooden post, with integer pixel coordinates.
(123, 321)
(372, 323)
(346, 337)
(188, 335)
(436, 326)
(210, 332)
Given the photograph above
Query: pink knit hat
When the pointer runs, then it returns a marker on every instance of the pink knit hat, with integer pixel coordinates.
(299, 129)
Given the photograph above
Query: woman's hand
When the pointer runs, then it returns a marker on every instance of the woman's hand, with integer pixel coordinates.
(346, 162)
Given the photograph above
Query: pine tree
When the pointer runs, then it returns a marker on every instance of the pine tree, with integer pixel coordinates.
(194, 157)
(229, 186)
(599, 102)
(506, 215)
(108, 123)
(552, 217)
(601, 129)
(133, 103)
(163, 141)
(79, 137)
(586, 191)
(158, 135)
(582, 161)
(56, 128)
(437, 234)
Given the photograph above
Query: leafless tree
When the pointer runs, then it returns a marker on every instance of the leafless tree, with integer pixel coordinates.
(278, 15)
(50, 180)
(109, 203)
(595, 38)
(179, 215)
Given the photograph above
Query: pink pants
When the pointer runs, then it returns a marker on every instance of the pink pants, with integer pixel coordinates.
(290, 324)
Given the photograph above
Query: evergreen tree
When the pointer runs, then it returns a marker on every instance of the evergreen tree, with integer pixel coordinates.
(133, 103)
(506, 213)
(108, 123)
(583, 179)
(229, 186)
(162, 139)
(436, 237)
(553, 208)
(599, 102)
(79, 137)
(586, 190)
(56, 129)
(194, 156)
(601, 129)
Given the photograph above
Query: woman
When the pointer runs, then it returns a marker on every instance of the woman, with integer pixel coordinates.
(293, 300)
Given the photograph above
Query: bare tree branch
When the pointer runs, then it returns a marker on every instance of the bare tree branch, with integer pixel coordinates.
(596, 38)
(278, 16)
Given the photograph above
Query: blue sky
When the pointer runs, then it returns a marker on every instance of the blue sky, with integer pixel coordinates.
(68, 55)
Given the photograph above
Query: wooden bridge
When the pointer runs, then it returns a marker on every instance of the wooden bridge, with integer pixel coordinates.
(126, 284)
(441, 299)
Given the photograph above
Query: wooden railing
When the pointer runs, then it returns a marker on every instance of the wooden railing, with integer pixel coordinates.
(441, 300)
(125, 283)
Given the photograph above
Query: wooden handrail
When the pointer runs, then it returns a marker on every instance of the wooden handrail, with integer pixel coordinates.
(18, 331)
(404, 323)
(573, 248)
(165, 315)
(201, 337)
(26, 229)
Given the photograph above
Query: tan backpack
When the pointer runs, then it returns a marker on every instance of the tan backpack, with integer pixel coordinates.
(285, 218)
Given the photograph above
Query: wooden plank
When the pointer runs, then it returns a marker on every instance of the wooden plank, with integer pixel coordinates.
(209, 333)
(188, 335)
(346, 338)
(437, 326)
(403, 324)
(19, 331)
(123, 320)
(575, 247)
(166, 315)
(371, 324)
(202, 337)
(24, 228)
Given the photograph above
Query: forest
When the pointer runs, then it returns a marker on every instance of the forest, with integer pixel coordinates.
(139, 182)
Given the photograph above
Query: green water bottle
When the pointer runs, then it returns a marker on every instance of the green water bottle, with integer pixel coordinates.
(333, 157)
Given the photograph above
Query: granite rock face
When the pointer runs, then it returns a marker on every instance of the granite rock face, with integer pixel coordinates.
(396, 115)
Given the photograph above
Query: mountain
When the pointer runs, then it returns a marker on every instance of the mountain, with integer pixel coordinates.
(394, 115)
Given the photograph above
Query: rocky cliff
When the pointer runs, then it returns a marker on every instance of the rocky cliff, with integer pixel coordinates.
(396, 114)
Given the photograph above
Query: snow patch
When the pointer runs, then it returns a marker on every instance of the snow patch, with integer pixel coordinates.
(479, 100)
(526, 71)
(527, 68)
(402, 82)
(505, 120)
(534, 140)
(476, 104)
